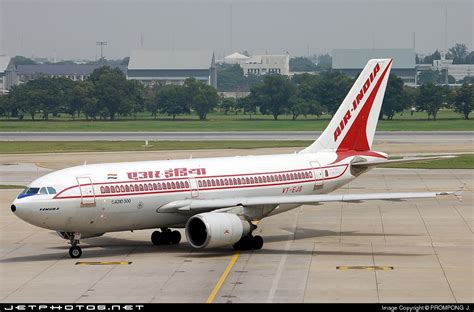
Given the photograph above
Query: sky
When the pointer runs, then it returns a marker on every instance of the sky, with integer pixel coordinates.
(70, 29)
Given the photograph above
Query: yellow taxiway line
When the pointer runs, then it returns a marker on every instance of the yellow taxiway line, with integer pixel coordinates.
(223, 277)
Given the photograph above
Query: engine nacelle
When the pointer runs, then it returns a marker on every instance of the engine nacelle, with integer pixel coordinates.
(207, 230)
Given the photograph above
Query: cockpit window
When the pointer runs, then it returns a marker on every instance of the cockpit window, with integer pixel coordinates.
(51, 190)
(31, 191)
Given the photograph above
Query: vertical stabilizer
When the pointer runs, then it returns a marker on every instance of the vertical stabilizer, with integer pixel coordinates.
(353, 125)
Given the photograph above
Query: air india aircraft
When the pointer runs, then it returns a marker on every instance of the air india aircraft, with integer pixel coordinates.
(216, 200)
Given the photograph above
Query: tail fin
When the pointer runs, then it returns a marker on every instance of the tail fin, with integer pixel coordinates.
(353, 125)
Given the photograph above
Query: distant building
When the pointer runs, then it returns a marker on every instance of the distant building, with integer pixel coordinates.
(74, 72)
(261, 64)
(8, 77)
(236, 58)
(152, 67)
(458, 71)
(352, 61)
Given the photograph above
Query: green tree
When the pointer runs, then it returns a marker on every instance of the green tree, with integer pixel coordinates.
(201, 97)
(430, 99)
(115, 95)
(171, 100)
(430, 58)
(227, 104)
(331, 90)
(232, 78)
(83, 100)
(464, 100)
(458, 53)
(394, 100)
(6, 106)
(323, 61)
(248, 105)
(302, 64)
(273, 95)
(21, 60)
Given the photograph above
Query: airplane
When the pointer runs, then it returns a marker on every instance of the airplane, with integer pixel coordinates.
(217, 200)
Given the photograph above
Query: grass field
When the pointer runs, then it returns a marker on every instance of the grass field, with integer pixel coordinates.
(31, 147)
(11, 187)
(461, 162)
(447, 120)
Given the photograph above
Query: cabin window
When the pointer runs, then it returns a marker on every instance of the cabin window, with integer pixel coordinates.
(186, 184)
(219, 183)
(199, 183)
(173, 185)
(150, 186)
(213, 182)
(259, 179)
(155, 187)
(239, 181)
(251, 180)
(168, 185)
(159, 186)
(273, 178)
(127, 189)
(182, 184)
(112, 189)
(264, 179)
(164, 186)
(234, 180)
(145, 187)
(122, 188)
(140, 187)
(102, 189)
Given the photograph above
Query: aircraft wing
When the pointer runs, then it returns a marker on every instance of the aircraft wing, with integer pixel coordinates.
(202, 205)
(364, 163)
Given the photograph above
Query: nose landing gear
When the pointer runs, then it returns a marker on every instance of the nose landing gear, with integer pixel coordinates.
(75, 251)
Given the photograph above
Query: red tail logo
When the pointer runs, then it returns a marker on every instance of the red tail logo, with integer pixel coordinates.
(356, 102)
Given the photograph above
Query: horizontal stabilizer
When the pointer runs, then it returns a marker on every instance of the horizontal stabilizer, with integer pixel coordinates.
(362, 162)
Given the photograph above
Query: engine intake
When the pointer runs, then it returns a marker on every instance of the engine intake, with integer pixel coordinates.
(207, 230)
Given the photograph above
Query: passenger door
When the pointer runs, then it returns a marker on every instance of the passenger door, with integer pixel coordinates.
(87, 191)
(318, 175)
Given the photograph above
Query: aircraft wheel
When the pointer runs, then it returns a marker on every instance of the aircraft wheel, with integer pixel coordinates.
(257, 242)
(175, 237)
(156, 238)
(75, 252)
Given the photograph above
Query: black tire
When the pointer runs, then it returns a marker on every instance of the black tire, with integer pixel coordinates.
(245, 243)
(75, 252)
(257, 242)
(175, 237)
(156, 238)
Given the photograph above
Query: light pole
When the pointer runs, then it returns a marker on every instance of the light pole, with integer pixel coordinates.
(101, 44)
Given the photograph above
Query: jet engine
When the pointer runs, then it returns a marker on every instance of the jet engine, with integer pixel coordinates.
(207, 230)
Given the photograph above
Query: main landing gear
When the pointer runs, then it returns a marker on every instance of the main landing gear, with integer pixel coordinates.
(165, 237)
(249, 242)
(75, 251)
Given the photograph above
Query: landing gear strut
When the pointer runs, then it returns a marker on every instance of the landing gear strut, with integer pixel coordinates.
(75, 251)
(165, 237)
(249, 242)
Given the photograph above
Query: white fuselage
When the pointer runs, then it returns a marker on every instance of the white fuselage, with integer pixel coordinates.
(110, 197)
